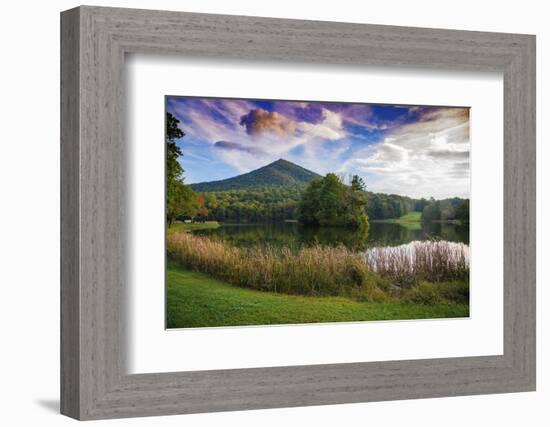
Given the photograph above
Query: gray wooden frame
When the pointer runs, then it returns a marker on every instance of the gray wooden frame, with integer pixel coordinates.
(94, 382)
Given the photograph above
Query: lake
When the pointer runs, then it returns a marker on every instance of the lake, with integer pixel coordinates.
(293, 235)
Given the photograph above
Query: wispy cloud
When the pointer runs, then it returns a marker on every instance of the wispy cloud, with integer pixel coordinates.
(412, 150)
(228, 145)
(423, 158)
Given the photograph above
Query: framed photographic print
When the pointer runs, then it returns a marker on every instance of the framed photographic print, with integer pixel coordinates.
(292, 213)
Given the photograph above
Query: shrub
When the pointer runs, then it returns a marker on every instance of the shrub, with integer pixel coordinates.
(427, 293)
(456, 292)
(424, 293)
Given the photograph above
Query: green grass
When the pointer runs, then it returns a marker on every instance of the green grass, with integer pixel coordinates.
(412, 220)
(181, 226)
(196, 300)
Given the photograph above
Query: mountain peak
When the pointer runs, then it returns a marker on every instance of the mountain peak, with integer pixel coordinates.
(280, 162)
(280, 173)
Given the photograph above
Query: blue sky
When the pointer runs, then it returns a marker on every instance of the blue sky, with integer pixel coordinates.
(416, 151)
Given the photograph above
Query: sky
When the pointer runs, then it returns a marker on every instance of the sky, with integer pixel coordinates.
(416, 151)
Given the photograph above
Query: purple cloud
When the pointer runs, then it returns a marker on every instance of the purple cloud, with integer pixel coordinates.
(235, 146)
(259, 120)
(309, 112)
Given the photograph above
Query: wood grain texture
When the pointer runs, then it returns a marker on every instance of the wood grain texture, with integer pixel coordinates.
(70, 220)
(94, 271)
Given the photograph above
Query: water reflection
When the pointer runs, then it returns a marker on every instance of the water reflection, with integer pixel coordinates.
(290, 234)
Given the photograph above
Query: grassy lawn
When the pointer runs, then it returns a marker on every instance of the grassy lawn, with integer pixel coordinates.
(411, 220)
(182, 226)
(196, 300)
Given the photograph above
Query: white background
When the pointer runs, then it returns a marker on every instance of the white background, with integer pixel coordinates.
(152, 349)
(29, 216)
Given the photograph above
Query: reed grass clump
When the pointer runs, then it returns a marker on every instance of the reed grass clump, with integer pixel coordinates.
(318, 270)
(435, 261)
(406, 272)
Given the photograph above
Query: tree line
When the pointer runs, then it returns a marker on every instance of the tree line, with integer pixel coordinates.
(388, 206)
(254, 205)
(447, 210)
(283, 203)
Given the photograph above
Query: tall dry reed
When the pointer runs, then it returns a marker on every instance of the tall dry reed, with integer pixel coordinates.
(322, 270)
(431, 260)
(319, 270)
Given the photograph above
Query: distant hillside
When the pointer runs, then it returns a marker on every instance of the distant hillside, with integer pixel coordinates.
(273, 193)
(280, 173)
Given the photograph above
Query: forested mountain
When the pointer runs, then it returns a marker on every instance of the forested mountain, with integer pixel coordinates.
(280, 173)
(273, 193)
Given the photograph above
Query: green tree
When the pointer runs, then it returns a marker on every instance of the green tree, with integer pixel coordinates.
(357, 183)
(182, 202)
(310, 202)
(328, 202)
(174, 171)
(431, 212)
(463, 211)
(357, 202)
(419, 205)
(447, 213)
(330, 211)
(180, 198)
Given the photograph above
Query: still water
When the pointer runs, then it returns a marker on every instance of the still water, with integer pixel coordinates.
(293, 235)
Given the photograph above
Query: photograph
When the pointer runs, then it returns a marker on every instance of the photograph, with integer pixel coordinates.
(285, 212)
